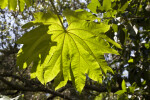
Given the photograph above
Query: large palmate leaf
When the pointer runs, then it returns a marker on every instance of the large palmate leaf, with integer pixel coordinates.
(12, 4)
(79, 50)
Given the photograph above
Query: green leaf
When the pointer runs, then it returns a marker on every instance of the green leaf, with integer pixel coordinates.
(79, 14)
(123, 8)
(94, 5)
(35, 40)
(3, 3)
(12, 4)
(22, 5)
(43, 19)
(36, 43)
(132, 88)
(115, 27)
(106, 5)
(28, 2)
(101, 96)
(147, 45)
(111, 13)
(130, 61)
(120, 92)
(79, 50)
(123, 85)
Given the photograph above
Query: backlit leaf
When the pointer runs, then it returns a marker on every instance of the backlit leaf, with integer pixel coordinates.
(3, 3)
(130, 61)
(123, 85)
(106, 4)
(12, 4)
(94, 5)
(66, 54)
(123, 8)
(120, 92)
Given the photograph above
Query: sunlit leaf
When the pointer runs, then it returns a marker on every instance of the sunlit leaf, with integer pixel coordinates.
(123, 8)
(66, 54)
(120, 92)
(130, 61)
(132, 88)
(94, 5)
(115, 27)
(123, 85)
(12, 4)
(147, 45)
(106, 5)
(3, 3)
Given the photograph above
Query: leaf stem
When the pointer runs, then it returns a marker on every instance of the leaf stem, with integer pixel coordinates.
(57, 14)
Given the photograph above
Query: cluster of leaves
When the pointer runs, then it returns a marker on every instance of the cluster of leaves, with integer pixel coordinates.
(62, 53)
(12, 4)
(122, 93)
(132, 32)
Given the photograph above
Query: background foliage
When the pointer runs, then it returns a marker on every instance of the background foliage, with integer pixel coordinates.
(128, 22)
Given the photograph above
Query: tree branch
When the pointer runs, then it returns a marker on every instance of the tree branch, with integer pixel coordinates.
(33, 89)
(34, 86)
(60, 90)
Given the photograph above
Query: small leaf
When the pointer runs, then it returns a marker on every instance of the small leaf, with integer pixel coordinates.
(101, 96)
(106, 5)
(123, 8)
(94, 5)
(115, 27)
(22, 5)
(3, 3)
(130, 61)
(120, 92)
(132, 88)
(147, 45)
(12, 4)
(123, 85)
